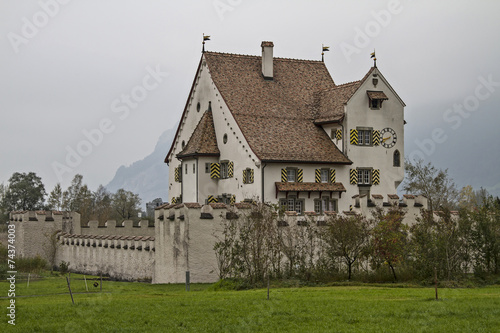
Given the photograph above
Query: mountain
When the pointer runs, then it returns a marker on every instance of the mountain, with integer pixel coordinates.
(149, 176)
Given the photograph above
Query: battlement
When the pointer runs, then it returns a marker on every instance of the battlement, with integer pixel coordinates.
(43, 216)
(123, 228)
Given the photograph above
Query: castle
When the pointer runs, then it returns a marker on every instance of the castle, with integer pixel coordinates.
(254, 128)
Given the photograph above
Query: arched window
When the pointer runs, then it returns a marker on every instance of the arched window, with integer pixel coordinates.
(397, 158)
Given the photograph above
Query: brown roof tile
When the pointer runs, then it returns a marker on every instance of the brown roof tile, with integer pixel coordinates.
(309, 187)
(377, 196)
(276, 116)
(203, 140)
(218, 205)
(409, 196)
(393, 196)
(192, 205)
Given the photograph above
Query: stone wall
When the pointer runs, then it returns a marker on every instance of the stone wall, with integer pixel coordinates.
(120, 257)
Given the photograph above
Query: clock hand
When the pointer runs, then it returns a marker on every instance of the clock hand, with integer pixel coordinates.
(385, 139)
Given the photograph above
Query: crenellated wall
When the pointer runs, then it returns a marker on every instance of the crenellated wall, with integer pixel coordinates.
(121, 257)
(182, 239)
(124, 228)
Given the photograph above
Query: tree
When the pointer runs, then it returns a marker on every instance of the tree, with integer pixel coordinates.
(125, 204)
(102, 209)
(390, 238)
(55, 200)
(347, 237)
(434, 184)
(25, 192)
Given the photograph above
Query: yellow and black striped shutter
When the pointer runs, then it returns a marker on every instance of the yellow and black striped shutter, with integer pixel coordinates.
(353, 176)
(376, 177)
(245, 179)
(177, 173)
(212, 199)
(317, 175)
(215, 170)
(376, 138)
(350, 207)
(250, 177)
(174, 200)
(300, 175)
(230, 169)
(232, 201)
(332, 176)
(284, 177)
(338, 134)
(354, 137)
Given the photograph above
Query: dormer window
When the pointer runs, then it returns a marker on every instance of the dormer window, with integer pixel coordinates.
(375, 99)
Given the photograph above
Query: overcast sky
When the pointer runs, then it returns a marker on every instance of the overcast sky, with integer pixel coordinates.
(88, 86)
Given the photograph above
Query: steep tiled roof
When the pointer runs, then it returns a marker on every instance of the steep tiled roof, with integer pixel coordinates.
(203, 140)
(276, 116)
(309, 187)
(329, 105)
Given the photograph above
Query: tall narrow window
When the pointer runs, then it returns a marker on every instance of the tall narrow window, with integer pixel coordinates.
(397, 158)
(324, 175)
(291, 175)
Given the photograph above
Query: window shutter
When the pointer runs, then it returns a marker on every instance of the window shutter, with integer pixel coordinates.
(317, 175)
(300, 175)
(245, 179)
(230, 169)
(215, 170)
(354, 137)
(338, 134)
(376, 177)
(353, 176)
(250, 177)
(376, 137)
(232, 201)
(174, 200)
(212, 199)
(283, 176)
(176, 175)
(332, 176)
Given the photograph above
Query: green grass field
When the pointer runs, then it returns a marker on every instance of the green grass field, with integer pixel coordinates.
(141, 307)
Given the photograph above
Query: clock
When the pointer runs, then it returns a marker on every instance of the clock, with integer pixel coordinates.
(389, 137)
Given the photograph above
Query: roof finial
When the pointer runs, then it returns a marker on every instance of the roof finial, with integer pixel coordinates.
(203, 43)
(324, 49)
(374, 58)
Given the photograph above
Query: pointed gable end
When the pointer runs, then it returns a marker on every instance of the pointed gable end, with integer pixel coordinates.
(203, 141)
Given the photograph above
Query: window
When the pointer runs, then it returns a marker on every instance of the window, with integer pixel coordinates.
(223, 170)
(198, 106)
(183, 144)
(325, 173)
(186, 168)
(248, 175)
(364, 137)
(292, 204)
(291, 175)
(207, 167)
(364, 176)
(325, 204)
(375, 103)
(224, 138)
(397, 159)
(194, 168)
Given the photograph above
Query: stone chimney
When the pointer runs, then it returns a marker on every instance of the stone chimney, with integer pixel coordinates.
(267, 60)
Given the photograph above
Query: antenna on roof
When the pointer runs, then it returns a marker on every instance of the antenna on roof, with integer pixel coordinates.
(372, 55)
(205, 38)
(324, 49)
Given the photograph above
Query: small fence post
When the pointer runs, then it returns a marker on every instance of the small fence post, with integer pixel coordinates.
(187, 280)
(69, 287)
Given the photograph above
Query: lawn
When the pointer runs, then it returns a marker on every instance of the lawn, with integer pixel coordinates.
(142, 307)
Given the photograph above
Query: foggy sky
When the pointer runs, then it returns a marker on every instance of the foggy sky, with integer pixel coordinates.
(106, 78)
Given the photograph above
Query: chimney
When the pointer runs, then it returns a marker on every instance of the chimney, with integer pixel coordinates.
(267, 60)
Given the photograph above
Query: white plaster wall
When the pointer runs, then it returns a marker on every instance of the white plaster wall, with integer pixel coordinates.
(390, 115)
(123, 228)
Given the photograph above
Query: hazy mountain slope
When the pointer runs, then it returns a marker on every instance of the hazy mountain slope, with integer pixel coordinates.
(149, 176)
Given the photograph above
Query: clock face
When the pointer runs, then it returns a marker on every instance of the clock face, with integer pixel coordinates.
(389, 137)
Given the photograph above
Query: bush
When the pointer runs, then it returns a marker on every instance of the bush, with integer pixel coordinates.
(31, 265)
(64, 267)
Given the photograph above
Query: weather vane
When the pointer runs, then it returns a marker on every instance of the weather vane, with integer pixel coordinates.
(372, 55)
(205, 38)
(324, 49)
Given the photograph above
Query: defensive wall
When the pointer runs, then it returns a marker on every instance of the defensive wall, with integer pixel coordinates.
(182, 239)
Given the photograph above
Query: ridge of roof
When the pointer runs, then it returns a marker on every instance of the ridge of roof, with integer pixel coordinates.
(257, 56)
